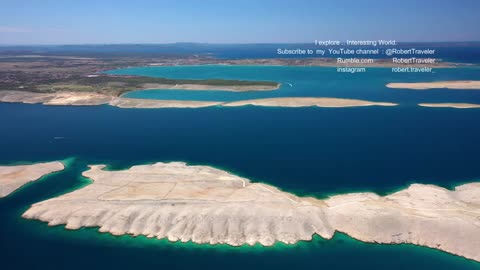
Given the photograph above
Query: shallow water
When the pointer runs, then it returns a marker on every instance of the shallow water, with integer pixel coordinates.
(310, 82)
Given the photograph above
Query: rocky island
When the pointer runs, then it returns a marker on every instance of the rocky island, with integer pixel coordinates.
(207, 205)
(14, 177)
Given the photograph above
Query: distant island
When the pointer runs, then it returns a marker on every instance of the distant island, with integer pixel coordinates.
(451, 105)
(203, 204)
(91, 98)
(462, 85)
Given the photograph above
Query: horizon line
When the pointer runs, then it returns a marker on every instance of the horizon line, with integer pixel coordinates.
(214, 43)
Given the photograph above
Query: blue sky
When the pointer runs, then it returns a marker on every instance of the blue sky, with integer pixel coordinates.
(234, 21)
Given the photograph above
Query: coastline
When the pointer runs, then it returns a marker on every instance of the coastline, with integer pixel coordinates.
(431, 215)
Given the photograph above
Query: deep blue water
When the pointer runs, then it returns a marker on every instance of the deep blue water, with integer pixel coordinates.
(312, 150)
(310, 82)
(305, 150)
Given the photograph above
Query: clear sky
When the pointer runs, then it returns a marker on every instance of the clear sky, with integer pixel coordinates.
(235, 21)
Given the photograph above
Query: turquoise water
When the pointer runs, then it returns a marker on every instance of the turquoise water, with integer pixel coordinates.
(307, 151)
(309, 82)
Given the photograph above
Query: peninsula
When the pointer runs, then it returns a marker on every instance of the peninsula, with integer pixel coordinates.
(203, 204)
(459, 85)
(14, 177)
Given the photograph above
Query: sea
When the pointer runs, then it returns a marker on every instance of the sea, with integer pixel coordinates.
(307, 151)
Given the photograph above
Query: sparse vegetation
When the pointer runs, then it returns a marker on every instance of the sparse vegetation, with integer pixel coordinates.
(48, 74)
